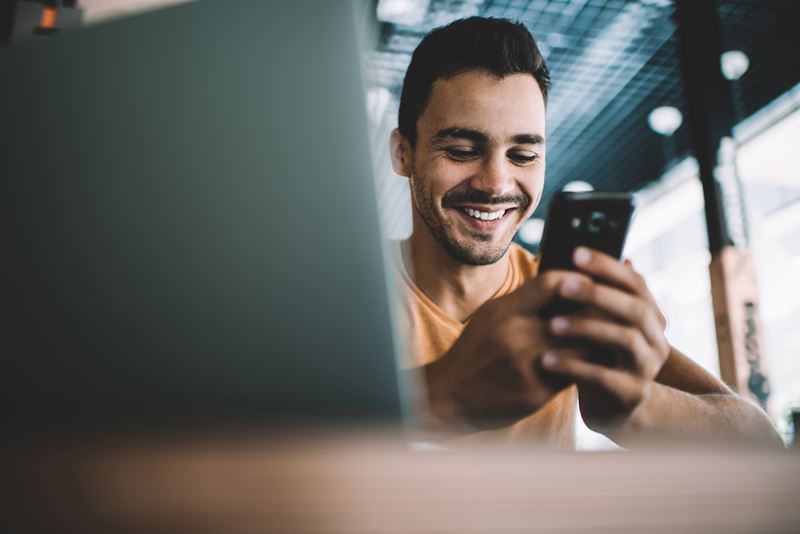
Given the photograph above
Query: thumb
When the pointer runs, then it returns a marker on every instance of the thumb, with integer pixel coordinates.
(540, 291)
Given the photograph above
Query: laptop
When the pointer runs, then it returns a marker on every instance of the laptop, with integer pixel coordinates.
(188, 223)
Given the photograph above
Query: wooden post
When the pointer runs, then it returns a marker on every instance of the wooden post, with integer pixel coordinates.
(710, 116)
(738, 323)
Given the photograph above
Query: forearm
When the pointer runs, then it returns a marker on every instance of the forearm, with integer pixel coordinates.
(671, 415)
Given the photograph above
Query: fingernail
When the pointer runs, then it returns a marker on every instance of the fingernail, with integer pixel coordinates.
(582, 256)
(549, 360)
(571, 287)
(559, 324)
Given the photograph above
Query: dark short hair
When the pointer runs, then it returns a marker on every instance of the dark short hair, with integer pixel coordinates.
(499, 46)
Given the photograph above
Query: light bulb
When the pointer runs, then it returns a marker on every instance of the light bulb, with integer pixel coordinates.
(531, 231)
(734, 63)
(665, 120)
(578, 186)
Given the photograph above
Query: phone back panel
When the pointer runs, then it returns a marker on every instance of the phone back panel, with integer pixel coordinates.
(591, 219)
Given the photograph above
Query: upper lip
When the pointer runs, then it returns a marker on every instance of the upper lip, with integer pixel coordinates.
(486, 208)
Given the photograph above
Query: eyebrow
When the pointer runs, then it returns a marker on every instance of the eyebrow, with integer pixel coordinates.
(461, 133)
(480, 137)
(528, 139)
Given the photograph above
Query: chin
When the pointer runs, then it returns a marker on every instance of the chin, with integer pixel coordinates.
(476, 253)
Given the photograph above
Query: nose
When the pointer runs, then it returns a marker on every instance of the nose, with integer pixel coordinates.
(496, 175)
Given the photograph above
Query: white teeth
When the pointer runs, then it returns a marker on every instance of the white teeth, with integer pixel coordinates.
(485, 215)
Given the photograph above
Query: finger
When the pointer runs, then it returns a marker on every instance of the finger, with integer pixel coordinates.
(607, 267)
(545, 288)
(621, 384)
(563, 352)
(639, 355)
(620, 274)
(621, 305)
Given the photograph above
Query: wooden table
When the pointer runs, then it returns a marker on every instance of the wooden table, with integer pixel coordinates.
(371, 484)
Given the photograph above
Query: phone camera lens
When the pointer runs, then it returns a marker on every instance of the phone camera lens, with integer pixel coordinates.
(596, 221)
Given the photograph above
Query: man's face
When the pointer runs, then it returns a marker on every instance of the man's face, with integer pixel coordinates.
(477, 170)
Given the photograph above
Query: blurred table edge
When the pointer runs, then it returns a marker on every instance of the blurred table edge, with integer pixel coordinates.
(374, 482)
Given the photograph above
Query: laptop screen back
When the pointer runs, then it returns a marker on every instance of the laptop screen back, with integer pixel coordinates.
(188, 222)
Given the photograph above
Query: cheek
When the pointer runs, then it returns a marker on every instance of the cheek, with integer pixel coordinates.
(444, 176)
(532, 184)
(532, 179)
(433, 181)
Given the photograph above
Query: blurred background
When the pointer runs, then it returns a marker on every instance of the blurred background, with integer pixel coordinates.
(616, 121)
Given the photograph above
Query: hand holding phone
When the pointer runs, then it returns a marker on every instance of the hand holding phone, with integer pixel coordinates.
(591, 219)
(610, 313)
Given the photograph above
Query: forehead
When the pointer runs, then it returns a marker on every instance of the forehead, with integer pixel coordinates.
(499, 107)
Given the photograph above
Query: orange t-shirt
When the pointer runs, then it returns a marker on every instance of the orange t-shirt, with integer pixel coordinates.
(429, 332)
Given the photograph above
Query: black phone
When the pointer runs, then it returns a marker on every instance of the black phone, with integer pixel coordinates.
(597, 220)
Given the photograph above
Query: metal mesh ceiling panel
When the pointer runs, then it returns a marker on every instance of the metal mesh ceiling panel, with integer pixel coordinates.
(611, 63)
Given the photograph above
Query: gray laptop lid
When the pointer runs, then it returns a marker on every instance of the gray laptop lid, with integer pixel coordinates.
(188, 224)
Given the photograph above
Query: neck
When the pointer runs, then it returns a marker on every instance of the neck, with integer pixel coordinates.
(457, 288)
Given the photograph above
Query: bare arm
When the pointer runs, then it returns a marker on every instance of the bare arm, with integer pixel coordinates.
(650, 391)
(688, 403)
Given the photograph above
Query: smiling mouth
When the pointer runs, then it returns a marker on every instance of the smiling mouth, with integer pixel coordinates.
(484, 215)
(485, 222)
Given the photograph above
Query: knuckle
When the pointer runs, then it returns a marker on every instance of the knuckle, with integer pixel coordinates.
(515, 335)
(501, 334)
(662, 319)
(517, 347)
(650, 368)
(664, 349)
(639, 282)
(630, 338)
(640, 309)
(548, 281)
(646, 367)
(635, 393)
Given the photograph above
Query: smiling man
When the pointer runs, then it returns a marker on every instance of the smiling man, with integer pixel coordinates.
(471, 140)
(474, 215)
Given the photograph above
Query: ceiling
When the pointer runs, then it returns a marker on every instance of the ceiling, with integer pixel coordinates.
(612, 62)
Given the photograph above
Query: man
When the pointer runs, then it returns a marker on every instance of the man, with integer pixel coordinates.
(471, 140)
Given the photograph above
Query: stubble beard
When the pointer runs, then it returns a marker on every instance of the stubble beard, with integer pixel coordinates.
(469, 253)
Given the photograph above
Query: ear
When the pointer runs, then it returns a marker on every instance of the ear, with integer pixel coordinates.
(402, 154)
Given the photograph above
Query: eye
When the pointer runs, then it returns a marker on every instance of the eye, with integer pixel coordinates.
(523, 158)
(461, 154)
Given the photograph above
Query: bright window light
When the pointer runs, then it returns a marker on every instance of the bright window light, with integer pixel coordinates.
(406, 12)
(772, 157)
(670, 208)
(378, 99)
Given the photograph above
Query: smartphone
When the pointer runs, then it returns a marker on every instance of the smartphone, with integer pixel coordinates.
(592, 219)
